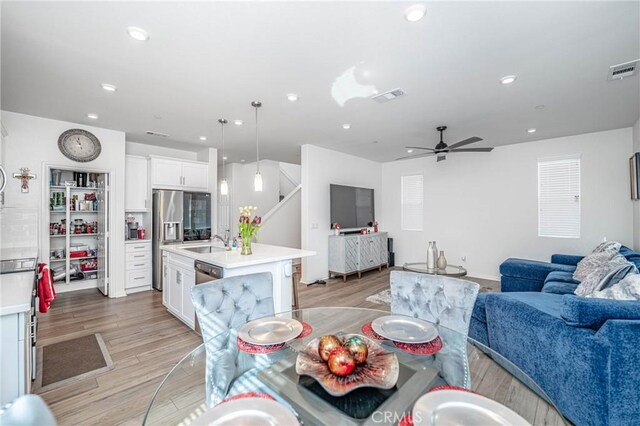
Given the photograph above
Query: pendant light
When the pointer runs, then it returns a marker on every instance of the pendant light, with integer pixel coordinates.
(257, 181)
(224, 186)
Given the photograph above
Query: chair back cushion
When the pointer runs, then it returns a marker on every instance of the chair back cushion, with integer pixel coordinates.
(229, 303)
(444, 301)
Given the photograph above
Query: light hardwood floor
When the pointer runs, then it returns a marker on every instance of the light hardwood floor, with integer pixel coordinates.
(145, 342)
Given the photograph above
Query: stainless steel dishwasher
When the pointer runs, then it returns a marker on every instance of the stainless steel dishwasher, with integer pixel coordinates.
(205, 273)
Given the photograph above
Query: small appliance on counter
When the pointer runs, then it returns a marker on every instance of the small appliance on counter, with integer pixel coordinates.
(133, 230)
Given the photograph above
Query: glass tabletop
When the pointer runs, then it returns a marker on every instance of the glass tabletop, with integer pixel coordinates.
(421, 267)
(218, 369)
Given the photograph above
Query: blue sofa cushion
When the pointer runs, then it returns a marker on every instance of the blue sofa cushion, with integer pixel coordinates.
(550, 304)
(592, 313)
(566, 259)
(531, 269)
(561, 277)
(631, 255)
(557, 287)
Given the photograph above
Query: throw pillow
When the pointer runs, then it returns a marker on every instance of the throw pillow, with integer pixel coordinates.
(591, 263)
(592, 281)
(627, 289)
(607, 246)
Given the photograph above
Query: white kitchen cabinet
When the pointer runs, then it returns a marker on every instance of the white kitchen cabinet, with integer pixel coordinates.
(138, 261)
(15, 358)
(136, 188)
(179, 279)
(179, 174)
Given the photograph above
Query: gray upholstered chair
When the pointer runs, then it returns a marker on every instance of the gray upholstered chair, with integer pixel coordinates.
(444, 301)
(222, 307)
(27, 410)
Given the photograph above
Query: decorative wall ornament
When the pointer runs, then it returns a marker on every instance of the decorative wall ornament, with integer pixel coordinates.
(24, 177)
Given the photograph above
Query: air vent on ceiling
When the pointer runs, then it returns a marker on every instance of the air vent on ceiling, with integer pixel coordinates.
(620, 71)
(162, 135)
(389, 96)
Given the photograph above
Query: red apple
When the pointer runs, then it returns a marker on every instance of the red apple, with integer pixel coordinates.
(326, 345)
(358, 349)
(341, 362)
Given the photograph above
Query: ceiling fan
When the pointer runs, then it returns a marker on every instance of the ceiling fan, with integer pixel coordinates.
(442, 149)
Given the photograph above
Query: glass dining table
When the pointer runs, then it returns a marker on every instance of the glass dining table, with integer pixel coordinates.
(218, 370)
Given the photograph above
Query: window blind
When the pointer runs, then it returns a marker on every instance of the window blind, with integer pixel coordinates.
(412, 199)
(559, 197)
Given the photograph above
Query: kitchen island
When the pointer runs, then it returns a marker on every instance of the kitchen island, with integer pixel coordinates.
(179, 274)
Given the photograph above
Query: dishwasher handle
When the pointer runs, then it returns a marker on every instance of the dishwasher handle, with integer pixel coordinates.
(215, 272)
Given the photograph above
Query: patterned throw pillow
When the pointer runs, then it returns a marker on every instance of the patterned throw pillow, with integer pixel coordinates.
(592, 282)
(627, 289)
(592, 262)
(607, 246)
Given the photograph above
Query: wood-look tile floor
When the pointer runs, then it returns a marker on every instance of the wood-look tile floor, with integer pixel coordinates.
(145, 342)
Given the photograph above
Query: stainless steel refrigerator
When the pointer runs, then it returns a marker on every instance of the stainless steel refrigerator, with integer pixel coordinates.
(178, 217)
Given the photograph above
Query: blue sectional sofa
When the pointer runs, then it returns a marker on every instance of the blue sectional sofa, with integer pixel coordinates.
(583, 352)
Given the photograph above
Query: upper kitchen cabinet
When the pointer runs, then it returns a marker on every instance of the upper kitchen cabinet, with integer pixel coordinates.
(179, 174)
(137, 188)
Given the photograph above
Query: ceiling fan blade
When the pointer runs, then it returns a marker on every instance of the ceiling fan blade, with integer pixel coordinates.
(472, 150)
(419, 147)
(441, 158)
(426, 154)
(473, 139)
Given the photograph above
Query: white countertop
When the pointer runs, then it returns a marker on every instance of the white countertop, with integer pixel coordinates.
(15, 292)
(262, 253)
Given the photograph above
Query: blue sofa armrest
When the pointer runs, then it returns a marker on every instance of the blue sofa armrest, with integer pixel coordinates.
(623, 337)
(592, 313)
(566, 259)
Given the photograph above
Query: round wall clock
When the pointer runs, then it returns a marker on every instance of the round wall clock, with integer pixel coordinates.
(79, 145)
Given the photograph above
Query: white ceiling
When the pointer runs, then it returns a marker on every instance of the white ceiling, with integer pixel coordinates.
(206, 60)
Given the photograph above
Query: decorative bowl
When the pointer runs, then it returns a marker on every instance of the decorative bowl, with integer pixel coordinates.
(379, 371)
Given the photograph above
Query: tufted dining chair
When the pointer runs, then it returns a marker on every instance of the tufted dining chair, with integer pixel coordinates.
(222, 307)
(444, 301)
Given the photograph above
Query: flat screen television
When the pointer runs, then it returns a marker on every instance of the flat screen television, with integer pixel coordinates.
(352, 207)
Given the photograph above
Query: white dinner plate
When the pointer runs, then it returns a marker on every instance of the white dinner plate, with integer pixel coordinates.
(248, 412)
(404, 329)
(270, 331)
(454, 407)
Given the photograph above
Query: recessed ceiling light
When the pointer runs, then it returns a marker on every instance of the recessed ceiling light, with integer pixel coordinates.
(225, 158)
(242, 161)
(415, 13)
(409, 151)
(346, 126)
(292, 97)
(532, 130)
(92, 116)
(138, 33)
(540, 106)
(508, 79)
(203, 138)
(109, 87)
(237, 122)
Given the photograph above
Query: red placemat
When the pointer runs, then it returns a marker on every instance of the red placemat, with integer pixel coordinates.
(449, 387)
(406, 420)
(368, 331)
(428, 348)
(257, 349)
(306, 330)
(249, 395)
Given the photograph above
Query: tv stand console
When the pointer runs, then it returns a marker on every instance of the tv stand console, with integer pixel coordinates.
(351, 254)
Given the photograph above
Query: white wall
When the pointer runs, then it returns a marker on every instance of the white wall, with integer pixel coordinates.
(32, 142)
(135, 148)
(241, 189)
(484, 206)
(320, 168)
(636, 204)
(282, 228)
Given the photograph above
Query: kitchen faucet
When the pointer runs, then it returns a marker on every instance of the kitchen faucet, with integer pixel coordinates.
(224, 240)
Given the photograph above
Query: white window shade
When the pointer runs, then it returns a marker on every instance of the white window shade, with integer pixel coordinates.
(559, 197)
(412, 200)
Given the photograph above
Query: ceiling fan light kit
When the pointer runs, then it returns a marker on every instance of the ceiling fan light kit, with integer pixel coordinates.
(441, 150)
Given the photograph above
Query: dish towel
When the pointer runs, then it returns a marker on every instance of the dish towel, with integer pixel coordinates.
(46, 291)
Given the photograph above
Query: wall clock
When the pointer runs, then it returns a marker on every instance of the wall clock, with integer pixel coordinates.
(79, 145)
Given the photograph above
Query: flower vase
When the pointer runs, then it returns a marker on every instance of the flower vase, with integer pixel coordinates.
(442, 262)
(246, 246)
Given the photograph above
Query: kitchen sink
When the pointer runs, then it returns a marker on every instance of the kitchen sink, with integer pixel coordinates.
(205, 249)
